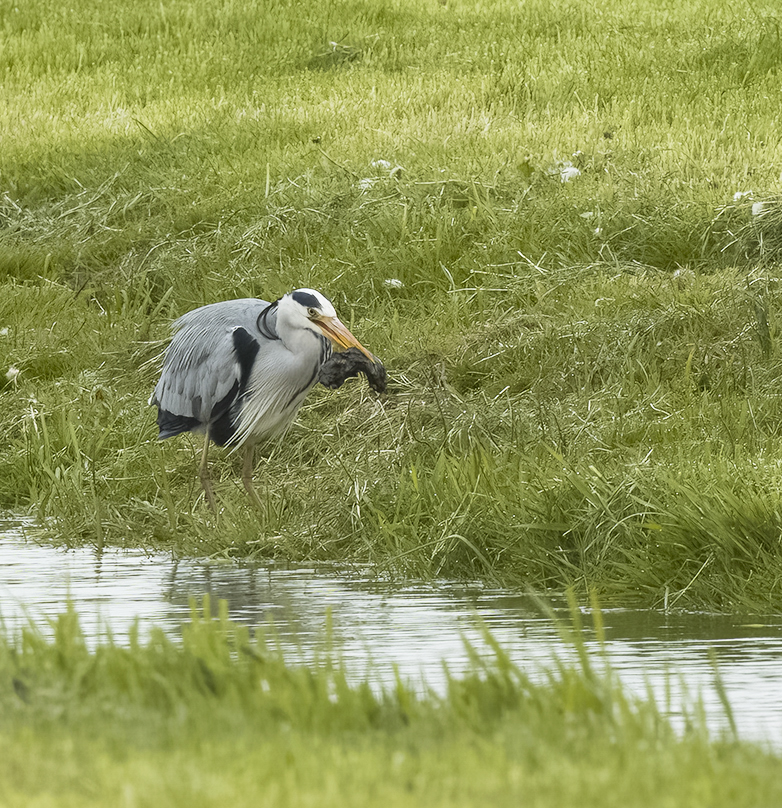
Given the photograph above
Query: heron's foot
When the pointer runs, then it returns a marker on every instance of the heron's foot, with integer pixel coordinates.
(247, 481)
(209, 494)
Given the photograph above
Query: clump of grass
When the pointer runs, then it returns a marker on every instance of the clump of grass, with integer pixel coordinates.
(221, 716)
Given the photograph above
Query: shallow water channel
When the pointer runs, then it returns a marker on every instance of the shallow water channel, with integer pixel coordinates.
(414, 626)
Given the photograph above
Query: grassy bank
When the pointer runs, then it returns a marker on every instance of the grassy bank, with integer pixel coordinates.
(585, 373)
(221, 718)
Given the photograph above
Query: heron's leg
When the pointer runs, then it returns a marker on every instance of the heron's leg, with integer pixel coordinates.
(203, 475)
(247, 474)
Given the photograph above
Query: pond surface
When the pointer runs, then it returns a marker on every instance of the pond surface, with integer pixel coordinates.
(416, 627)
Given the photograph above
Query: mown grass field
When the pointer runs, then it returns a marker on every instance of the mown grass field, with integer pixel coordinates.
(220, 719)
(585, 373)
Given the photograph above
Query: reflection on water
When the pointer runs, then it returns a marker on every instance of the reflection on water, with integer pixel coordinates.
(415, 627)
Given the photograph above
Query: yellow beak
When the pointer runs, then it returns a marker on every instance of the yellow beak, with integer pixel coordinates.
(333, 328)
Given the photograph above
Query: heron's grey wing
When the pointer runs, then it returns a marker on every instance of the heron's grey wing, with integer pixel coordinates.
(206, 368)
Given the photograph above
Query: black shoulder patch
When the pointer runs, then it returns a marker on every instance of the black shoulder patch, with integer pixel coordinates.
(222, 425)
(246, 349)
(222, 419)
(305, 299)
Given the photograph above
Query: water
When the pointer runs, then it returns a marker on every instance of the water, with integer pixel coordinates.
(416, 627)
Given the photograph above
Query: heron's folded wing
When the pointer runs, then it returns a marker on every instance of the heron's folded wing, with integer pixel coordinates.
(201, 379)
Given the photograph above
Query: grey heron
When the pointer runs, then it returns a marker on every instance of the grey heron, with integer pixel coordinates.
(239, 370)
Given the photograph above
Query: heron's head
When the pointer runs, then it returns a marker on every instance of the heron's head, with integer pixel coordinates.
(307, 308)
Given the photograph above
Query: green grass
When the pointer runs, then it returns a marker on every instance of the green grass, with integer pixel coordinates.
(584, 374)
(221, 718)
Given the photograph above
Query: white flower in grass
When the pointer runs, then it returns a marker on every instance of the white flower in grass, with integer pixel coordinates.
(758, 208)
(12, 374)
(393, 283)
(567, 172)
(386, 167)
(682, 276)
(739, 195)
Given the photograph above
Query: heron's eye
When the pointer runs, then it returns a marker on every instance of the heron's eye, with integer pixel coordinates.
(312, 313)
